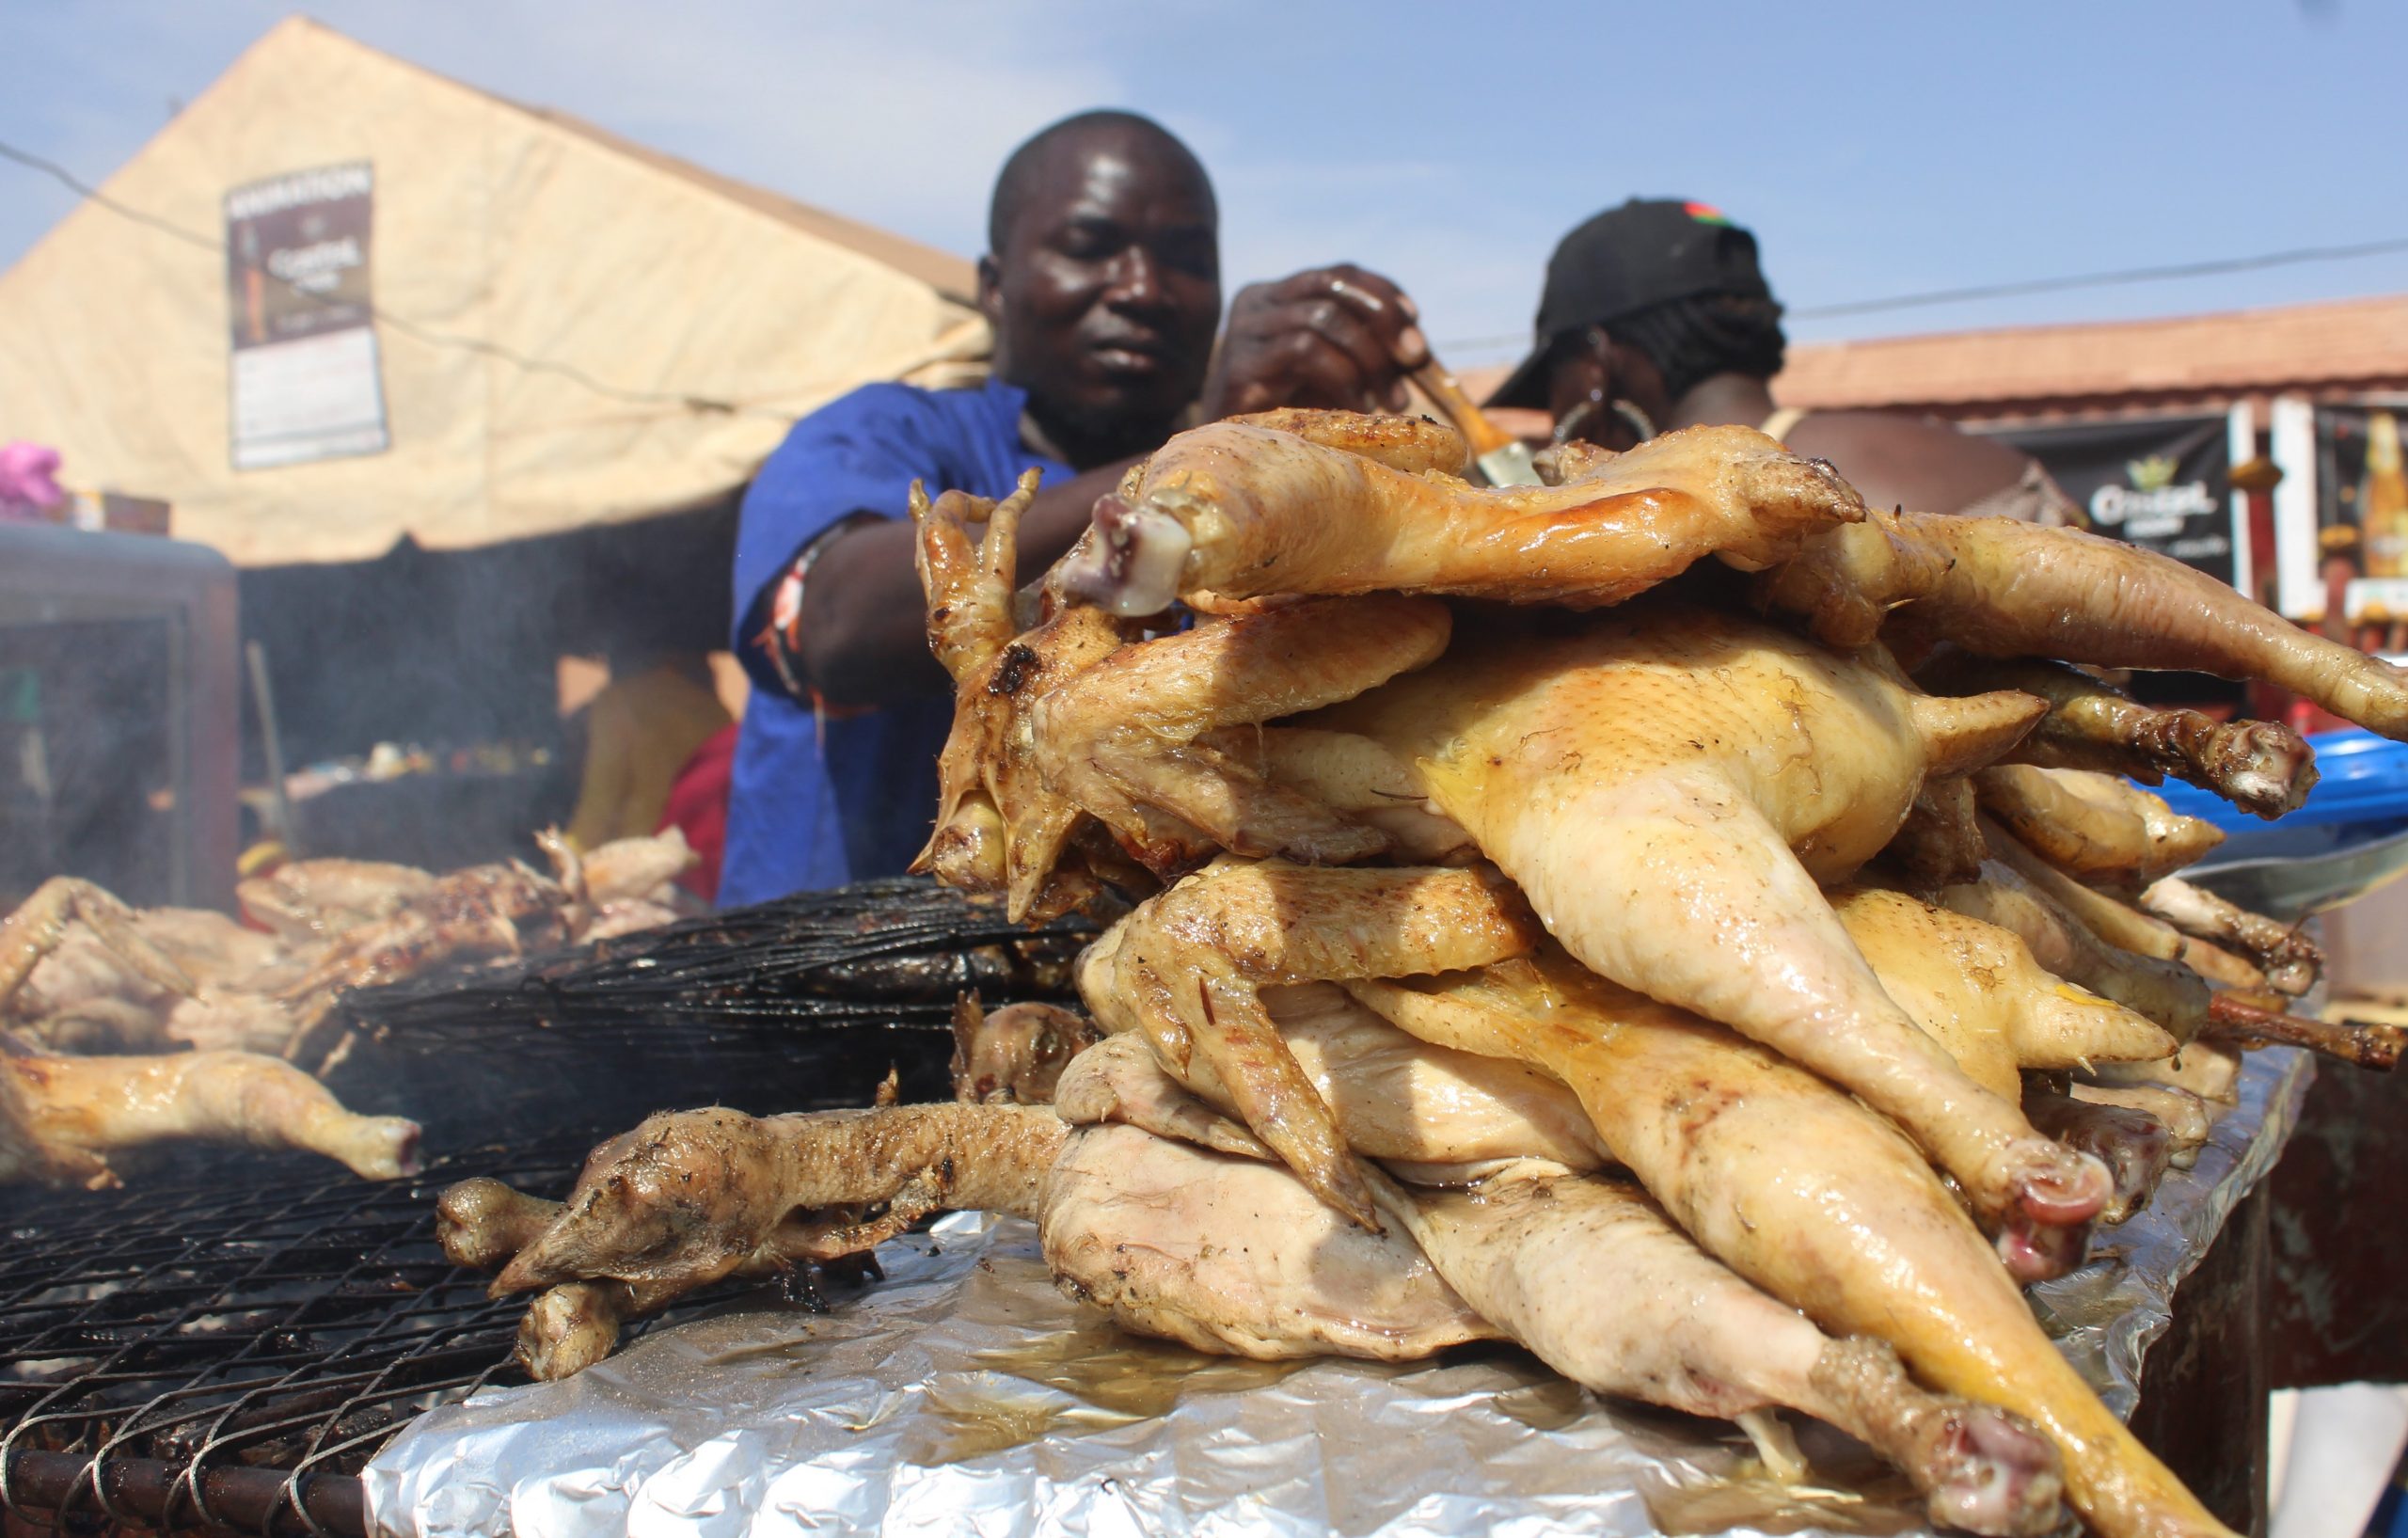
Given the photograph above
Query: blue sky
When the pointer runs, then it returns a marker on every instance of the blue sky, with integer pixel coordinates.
(1876, 150)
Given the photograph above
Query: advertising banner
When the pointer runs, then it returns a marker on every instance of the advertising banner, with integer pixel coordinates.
(304, 383)
(2160, 482)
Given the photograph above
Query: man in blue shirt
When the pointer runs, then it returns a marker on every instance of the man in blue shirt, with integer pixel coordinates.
(1102, 282)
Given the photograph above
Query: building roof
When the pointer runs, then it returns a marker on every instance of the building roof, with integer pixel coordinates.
(2350, 347)
(2321, 349)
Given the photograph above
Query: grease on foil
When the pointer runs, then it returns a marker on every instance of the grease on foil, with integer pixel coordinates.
(966, 1394)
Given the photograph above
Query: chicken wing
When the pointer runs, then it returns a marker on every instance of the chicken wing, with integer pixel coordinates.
(1394, 1098)
(1120, 740)
(1974, 986)
(1243, 510)
(2165, 991)
(1184, 968)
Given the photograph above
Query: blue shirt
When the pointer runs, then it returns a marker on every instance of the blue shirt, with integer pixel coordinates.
(819, 800)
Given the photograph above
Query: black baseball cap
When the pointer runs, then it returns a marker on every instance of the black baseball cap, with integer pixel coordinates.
(1647, 251)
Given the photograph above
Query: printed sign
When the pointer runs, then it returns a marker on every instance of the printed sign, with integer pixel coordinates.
(304, 383)
(2163, 482)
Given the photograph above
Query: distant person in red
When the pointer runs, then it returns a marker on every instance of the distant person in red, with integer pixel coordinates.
(1655, 315)
(697, 807)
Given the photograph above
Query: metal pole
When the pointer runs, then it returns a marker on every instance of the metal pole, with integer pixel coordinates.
(272, 747)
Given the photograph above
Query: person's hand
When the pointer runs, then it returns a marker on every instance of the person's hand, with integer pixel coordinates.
(1338, 338)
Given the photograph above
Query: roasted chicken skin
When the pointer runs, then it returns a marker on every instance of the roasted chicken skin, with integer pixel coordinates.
(1683, 857)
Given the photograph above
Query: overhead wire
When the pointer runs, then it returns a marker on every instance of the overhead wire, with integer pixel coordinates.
(2116, 277)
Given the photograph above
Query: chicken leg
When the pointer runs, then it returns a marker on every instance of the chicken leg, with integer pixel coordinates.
(1537, 1255)
(2003, 588)
(1243, 510)
(62, 1118)
(1804, 1193)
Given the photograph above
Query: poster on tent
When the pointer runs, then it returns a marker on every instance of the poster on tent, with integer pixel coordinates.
(304, 383)
(2165, 483)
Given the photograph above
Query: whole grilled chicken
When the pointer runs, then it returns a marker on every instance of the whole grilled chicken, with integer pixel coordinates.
(1669, 787)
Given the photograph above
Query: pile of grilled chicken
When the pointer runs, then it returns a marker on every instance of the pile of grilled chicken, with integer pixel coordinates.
(1731, 978)
(122, 1028)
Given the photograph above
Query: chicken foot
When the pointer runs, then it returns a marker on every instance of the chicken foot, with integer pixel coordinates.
(2003, 588)
(2256, 765)
(2285, 953)
(2136, 1147)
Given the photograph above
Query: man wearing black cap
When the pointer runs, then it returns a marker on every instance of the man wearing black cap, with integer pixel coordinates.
(1657, 315)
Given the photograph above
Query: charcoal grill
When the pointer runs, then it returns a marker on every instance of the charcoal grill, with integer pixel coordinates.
(226, 1345)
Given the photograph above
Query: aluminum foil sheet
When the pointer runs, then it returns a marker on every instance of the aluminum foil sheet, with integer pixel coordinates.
(964, 1394)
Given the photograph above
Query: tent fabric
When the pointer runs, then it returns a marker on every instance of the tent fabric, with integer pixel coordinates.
(517, 259)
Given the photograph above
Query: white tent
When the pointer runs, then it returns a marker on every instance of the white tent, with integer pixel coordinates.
(545, 325)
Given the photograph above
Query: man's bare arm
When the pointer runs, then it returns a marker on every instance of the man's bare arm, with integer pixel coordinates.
(864, 626)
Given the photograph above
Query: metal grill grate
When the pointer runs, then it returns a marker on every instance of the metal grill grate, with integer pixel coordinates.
(226, 1344)
(228, 1348)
